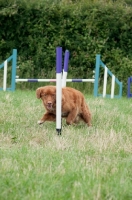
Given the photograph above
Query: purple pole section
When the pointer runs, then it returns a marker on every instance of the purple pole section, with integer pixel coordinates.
(76, 80)
(128, 87)
(66, 60)
(32, 80)
(58, 59)
(129, 94)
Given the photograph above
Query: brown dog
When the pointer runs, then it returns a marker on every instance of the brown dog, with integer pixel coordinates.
(74, 106)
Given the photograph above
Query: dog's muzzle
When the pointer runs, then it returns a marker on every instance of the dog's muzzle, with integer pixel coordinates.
(49, 106)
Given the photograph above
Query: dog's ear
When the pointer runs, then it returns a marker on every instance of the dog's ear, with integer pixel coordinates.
(38, 93)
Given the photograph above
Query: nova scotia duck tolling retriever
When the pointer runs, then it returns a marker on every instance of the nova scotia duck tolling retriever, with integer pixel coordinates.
(74, 107)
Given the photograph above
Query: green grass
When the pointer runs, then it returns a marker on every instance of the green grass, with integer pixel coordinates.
(83, 164)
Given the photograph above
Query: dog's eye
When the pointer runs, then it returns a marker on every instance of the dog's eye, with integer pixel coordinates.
(53, 95)
(44, 95)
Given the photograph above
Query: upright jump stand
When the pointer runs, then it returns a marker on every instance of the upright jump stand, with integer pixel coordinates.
(129, 81)
(13, 60)
(107, 72)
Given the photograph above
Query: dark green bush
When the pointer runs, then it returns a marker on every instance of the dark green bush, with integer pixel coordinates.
(85, 28)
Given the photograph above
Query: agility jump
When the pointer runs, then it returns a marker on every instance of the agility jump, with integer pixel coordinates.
(107, 72)
(99, 64)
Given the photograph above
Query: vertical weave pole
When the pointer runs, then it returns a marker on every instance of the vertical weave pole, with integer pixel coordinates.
(58, 88)
(65, 70)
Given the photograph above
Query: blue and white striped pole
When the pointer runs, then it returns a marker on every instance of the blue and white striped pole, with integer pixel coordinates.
(65, 70)
(58, 88)
(53, 80)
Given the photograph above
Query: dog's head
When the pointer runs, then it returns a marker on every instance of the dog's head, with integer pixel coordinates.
(48, 96)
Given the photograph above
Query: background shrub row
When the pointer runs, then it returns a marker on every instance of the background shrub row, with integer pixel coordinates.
(85, 28)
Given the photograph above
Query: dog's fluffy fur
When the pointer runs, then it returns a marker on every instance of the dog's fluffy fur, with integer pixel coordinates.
(74, 106)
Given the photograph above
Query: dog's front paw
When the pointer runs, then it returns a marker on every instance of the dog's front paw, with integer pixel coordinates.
(40, 122)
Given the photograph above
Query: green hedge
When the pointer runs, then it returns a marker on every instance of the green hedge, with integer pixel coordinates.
(85, 28)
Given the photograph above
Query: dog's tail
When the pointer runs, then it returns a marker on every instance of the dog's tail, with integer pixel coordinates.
(86, 114)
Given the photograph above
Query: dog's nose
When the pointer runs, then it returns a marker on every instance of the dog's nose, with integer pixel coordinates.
(49, 103)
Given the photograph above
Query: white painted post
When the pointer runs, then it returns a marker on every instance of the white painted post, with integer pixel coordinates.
(65, 70)
(64, 78)
(5, 76)
(112, 86)
(105, 81)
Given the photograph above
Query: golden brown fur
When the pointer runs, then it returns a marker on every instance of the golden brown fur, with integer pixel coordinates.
(74, 106)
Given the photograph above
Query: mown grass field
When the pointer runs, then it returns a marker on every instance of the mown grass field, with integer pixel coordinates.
(83, 164)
